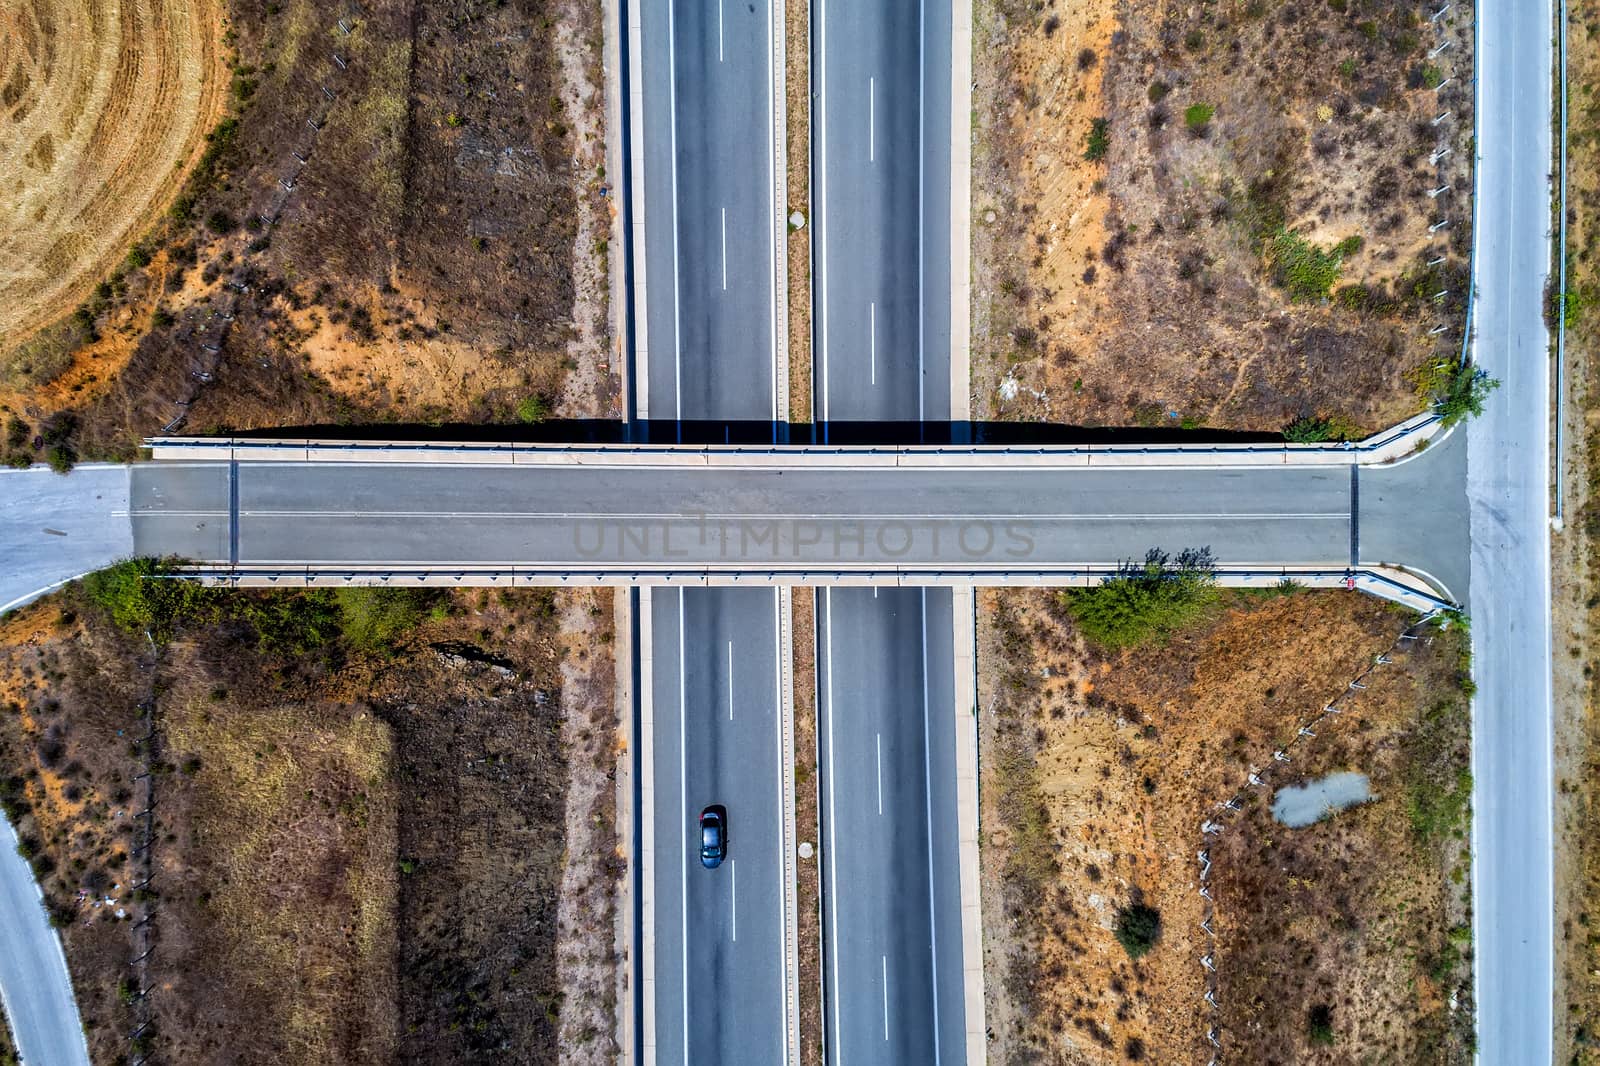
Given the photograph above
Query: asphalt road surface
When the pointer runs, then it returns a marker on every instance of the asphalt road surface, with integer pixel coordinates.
(691, 519)
(1508, 474)
(882, 308)
(719, 936)
(713, 344)
(33, 972)
(709, 210)
(891, 869)
(54, 528)
(883, 217)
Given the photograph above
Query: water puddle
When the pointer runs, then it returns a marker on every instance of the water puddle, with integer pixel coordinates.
(1300, 805)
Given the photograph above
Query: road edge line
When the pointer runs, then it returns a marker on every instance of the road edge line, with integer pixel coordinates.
(791, 874)
(627, 823)
(647, 847)
(779, 118)
(636, 239)
(965, 626)
(961, 211)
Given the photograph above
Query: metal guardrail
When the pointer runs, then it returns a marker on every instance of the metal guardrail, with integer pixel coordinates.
(1390, 583)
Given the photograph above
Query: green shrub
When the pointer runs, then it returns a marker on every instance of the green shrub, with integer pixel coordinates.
(142, 596)
(1431, 76)
(1348, 67)
(1158, 91)
(532, 410)
(1145, 601)
(1317, 429)
(1304, 269)
(1456, 390)
(1319, 1025)
(374, 618)
(1198, 116)
(1138, 929)
(1098, 141)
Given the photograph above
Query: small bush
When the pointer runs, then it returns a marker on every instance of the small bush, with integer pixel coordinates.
(1304, 269)
(1145, 601)
(140, 596)
(1347, 67)
(1198, 116)
(374, 618)
(1317, 429)
(1456, 390)
(1158, 91)
(1098, 141)
(532, 410)
(1138, 929)
(1431, 76)
(1319, 1025)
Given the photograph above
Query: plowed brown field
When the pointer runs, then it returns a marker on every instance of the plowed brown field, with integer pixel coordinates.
(103, 107)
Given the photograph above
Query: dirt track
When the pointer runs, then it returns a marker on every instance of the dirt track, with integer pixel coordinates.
(100, 104)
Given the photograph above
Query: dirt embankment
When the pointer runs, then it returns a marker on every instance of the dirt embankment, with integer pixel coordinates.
(1216, 214)
(1098, 770)
(1577, 575)
(403, 218)
(362, 849)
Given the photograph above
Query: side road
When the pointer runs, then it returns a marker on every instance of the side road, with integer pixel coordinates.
(34, 984)
(1508, 474)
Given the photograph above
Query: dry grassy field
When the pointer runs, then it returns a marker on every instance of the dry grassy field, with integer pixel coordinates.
(393, 211)
(101, 104)
(1216, 214)
(1099, 768)
(384, 825)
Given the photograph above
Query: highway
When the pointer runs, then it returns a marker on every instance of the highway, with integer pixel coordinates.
(1508, 477)
(891, 875)
(882, 314)
(713, 352)
(717, 695)
(710, 217)
(883, 220)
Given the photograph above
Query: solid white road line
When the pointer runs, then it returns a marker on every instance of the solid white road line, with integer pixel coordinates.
(820, 112)
(927, 792)
(730, 680)
(683, 823)
(724, 249)
(778, 230)
(922, 140)
(872, 120)
(677, 289)
(831, 856)
(783, 835)
(872, 338)
(719, 31)
(885, 959)
(880, 772)
(733, 905)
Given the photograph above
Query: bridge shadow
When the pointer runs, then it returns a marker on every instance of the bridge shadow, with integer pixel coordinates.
(859, 434)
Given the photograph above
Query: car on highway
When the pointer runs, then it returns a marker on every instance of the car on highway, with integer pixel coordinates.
(713, 836)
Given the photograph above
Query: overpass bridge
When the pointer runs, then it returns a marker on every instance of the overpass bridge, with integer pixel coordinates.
(1385, 515)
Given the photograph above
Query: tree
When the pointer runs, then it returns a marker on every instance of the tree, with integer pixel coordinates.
(1138, 929)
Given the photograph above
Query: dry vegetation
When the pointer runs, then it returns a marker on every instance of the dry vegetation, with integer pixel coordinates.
(1215, 213)
(363, 822)
(1577, 575)
(442, 254)
(1098, 769)
(99, 106)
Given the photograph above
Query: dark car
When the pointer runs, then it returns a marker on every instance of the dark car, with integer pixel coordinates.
(713, 836)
